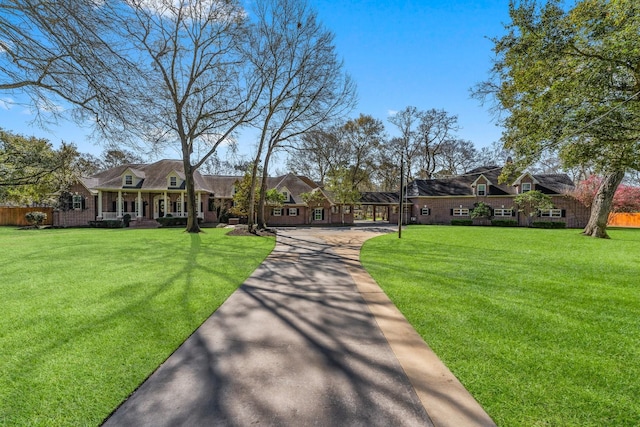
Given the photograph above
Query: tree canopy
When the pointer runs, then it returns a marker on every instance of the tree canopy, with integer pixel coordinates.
(568, 79)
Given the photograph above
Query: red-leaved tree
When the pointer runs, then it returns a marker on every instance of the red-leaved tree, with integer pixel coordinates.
(626, 198)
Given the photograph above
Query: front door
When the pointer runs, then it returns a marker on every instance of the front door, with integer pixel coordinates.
(158, 204)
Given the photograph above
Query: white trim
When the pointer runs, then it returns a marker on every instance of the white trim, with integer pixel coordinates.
(484, 189)
(551, 213)
(460, 212)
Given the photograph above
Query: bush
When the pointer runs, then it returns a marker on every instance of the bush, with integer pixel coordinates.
(548, 224)
(36, 218)
(504, 223)
(481, 210)
(126, 219)
(461, 222)
(107, 223)
(171, 221)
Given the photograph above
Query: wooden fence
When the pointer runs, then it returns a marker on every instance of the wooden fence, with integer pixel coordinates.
(624, 220)
(15, 216)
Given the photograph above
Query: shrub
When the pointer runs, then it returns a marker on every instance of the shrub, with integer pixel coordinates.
(461, 222)
(481, 210)
(504, 222)
(170, 221)
(36, 218)
(126, 219)
(107, 223)
(548, 224)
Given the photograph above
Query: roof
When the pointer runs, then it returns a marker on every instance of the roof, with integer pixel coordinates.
(152, 176)
(380, 197)
(462, 185)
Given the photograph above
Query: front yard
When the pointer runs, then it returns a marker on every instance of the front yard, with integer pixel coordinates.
(541, 326)
(88, 314)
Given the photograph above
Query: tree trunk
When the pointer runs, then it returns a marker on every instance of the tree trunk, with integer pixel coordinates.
(261, 223)
(601, 205)
(192, 211)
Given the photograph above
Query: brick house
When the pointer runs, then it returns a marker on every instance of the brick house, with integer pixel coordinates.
(149, 191)
(438, 201)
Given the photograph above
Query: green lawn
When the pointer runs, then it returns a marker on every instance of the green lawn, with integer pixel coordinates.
(541, 326)
(88, 314)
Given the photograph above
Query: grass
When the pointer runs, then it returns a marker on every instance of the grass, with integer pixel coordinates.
(88, 314)
(541, 326)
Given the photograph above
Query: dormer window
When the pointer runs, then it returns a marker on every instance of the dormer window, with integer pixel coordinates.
(526, 186)
(128, 180)
(173, 181)
(285, 194)
(481, 190)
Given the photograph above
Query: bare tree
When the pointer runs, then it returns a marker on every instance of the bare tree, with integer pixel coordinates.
(407, 145)
(436, 129)
(457, 156)
(304, 85)
(317, 153)
(160, 72)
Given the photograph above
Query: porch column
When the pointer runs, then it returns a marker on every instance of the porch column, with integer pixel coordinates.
(100, 203)
(119, 205)
(198, 205)
(139, 213)
(166, 204)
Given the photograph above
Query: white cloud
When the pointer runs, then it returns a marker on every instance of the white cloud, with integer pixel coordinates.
(391, 113)
(6, 103)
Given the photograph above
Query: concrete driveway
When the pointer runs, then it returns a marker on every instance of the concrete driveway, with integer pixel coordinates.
(308, 339)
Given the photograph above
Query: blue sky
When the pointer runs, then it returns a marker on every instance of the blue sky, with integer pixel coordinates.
(423, 53)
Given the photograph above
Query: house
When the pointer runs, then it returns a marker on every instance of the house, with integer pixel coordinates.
(147, 192)
(143, 191)
(438, 201)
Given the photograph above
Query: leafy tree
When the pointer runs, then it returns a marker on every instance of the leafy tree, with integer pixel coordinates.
(625, 199)
(569, 81)
(531, 202)
(115, 157)
(481, 210)
(241, 197)
(32, 171)
(342, 190)
(363, 137)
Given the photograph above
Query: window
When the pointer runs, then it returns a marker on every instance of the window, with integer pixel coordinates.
(285, 193)
(318, 214)
(526, 186)
(173, 181)
(128, 180)
(460, 212)
(293, 211)
(335, 209)
(502, 212)
(347, 209)
(424, 211)
(77, 201)
(277, 211)
(482, 190)
(551, 213)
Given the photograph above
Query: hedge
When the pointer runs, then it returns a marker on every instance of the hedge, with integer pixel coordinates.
(461, 222)
(548, 224)
(169, 221)
(107, 223)
(504, 222)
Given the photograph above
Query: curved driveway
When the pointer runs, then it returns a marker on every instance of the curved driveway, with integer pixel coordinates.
(308, 339)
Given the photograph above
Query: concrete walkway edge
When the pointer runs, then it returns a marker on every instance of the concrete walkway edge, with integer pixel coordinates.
(445, 399)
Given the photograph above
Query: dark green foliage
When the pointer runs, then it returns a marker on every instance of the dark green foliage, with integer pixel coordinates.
(107, 223)
(548, 224)
(36, 218)
(461, 222)
(171, 221)
(504, 222)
